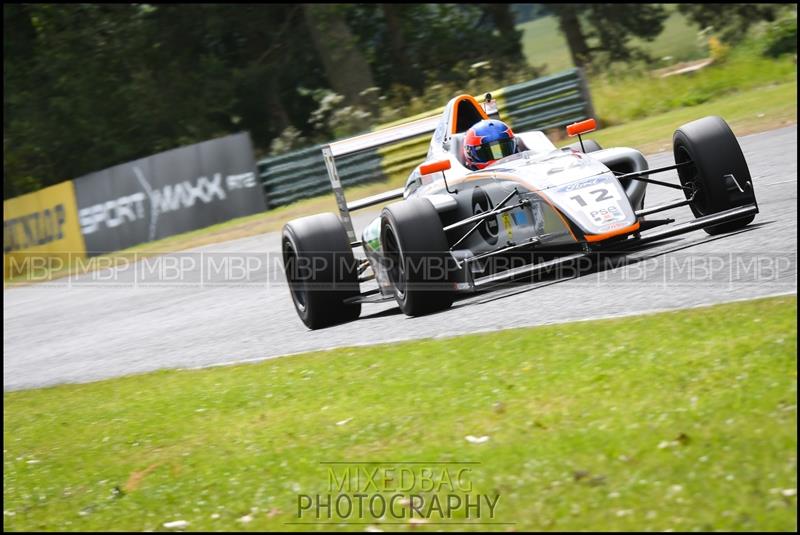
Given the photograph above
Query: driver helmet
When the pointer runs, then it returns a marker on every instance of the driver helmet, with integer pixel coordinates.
(488, 141)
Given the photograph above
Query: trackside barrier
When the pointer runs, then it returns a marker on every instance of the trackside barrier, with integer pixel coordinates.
(541, 104)
(175, 191)
(41, 231)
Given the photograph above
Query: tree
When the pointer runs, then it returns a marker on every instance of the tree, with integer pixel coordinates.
(62, 92)
(88, 86)
(528, 12)
(732, 20)
(609, 28)
(435, 42)
(570, 26)
(510, 47)
(393, 15)
(345, 66)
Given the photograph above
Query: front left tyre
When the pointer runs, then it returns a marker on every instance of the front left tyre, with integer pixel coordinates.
(321, 270)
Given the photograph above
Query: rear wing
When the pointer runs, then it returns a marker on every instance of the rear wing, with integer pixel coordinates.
(365, 142)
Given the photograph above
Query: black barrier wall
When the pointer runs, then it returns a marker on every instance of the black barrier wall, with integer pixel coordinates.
(168, 193)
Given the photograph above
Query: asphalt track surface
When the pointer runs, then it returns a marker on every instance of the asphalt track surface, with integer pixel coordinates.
(228, 302)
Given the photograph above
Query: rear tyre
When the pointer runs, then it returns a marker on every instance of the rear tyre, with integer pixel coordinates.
(417, 256)
(717, 165)
(590, 145)
(321, 270)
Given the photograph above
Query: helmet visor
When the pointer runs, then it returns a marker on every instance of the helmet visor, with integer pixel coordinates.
(494, 150)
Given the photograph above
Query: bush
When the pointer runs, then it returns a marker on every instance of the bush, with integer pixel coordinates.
(781, 37)
(717, 49)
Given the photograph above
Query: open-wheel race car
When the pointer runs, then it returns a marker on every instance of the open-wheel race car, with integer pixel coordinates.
(457, 230)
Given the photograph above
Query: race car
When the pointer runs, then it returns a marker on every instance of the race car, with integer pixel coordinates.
(457, 230)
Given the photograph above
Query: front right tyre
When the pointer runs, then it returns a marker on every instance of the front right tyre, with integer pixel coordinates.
(419, 265)
(715, 170)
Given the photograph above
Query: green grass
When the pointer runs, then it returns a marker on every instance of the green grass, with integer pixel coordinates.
(747, 112)
(621, 99)
(676, 421)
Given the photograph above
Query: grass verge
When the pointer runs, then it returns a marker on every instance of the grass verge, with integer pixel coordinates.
(593, 425)
(623, 98)
(747, 112)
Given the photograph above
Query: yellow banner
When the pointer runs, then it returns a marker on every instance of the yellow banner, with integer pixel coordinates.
(41, 232)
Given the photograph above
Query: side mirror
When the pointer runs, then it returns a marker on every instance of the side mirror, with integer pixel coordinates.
(576, 129)
(434, 167)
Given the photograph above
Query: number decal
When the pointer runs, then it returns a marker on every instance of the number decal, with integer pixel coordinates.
(600, 205)
(604, 196)
(579, 200)
(601, 195)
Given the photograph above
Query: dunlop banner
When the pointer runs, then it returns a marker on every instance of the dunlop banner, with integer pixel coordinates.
(168, 193)
(41, 230)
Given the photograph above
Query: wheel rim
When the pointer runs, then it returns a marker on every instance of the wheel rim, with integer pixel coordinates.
(690, 176)
(296, 284)
(393, 254)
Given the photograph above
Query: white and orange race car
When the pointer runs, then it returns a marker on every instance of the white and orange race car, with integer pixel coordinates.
(457, 230)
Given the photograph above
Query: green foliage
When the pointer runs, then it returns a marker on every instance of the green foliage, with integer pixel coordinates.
(600, 34)
(436, 37)
(781, 37)
(529, 12)
(614, 27)
(92, 85)
(544, 44)
(731, 21)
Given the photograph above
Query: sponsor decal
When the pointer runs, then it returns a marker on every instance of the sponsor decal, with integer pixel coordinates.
(582, 184)
(519, 218)
(607, 214)
(112, 213)
(33, 229)
(372, 235)
(41, 227)
(169, 198)
(612, 226)
(507, 225)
